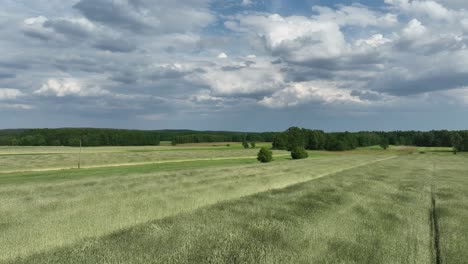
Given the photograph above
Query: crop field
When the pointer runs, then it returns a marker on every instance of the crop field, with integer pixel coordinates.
(214, 203)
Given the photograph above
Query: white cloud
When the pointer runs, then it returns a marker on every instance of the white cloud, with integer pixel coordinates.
(374, 41)
(309, 92)
(9, 94)
(431, 9)
(16, 106)
(68, 87)
(414, 30)
(296, 38)
(354, 15)
(222, 55)
(234, 79)
(246, 2)
(34, 27)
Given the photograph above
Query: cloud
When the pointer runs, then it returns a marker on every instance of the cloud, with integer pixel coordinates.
(115, 45)
(246, 2)
(76, 31)
(374, 41)
(309, 93)
(16, 106)
(430, 9)
(241, 79)
(34, 27)
(68, 87)
(8, 93)
(7, 75)
(354, 15)
(294, 38)
(140, 58)
(148, 16)
(222, 55)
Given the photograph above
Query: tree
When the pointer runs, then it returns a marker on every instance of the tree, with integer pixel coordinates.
(253, 144)
(457, 142)
(245, 144)
(265, 155)
(384, 143)
(299, 153)
(280, 141)
(296, 137)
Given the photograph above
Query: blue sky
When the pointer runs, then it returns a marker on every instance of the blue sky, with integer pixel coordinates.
(243, 65)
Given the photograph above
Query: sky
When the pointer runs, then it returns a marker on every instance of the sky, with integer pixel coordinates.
(239, 65)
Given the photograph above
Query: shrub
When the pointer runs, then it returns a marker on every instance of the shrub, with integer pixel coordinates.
(253, 144)
(299, 153)
(245, 144)
(265, 155)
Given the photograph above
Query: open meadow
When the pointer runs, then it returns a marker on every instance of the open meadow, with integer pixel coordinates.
(213, 203)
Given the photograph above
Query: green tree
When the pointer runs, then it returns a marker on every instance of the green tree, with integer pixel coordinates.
(296, 137)
(384, 143)
(457, 142)
(253, 144)
(265, 155)
(280, 141)
(245, 144)
(299, 153)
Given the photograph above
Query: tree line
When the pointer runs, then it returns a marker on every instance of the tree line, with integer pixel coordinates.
(287, 140)
(75, 136)
(319, 140)
(184, 137)
(121, 137)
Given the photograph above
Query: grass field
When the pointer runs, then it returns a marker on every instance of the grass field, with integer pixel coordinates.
(363, 206)
(48, 158)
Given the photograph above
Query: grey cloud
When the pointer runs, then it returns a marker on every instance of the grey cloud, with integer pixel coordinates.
(67, 27)
(367, 95)
(115, 45)
(125, 14)
(397, 85)
(18, 65)
(7, 75)
(125, 78)
(142, 15)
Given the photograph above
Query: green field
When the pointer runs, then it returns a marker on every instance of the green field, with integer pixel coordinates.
(216, 204)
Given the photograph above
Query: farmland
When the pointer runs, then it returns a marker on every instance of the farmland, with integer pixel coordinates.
(214, 203)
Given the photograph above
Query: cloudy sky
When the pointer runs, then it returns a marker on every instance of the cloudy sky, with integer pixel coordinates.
(247, 65)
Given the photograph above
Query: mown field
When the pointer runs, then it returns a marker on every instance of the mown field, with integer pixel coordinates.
(216, 204)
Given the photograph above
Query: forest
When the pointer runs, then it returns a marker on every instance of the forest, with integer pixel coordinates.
(292, 137)
(319, 140)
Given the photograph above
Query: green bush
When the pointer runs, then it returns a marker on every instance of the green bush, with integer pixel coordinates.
(299, 153)
(245, 144)
(253, 144)
(265, 155)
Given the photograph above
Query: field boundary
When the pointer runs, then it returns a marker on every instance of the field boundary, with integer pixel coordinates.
(136, 164)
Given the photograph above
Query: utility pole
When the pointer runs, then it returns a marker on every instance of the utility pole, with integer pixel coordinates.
(79, 156)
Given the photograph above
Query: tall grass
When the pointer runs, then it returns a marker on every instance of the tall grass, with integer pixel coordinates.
(45, 213)
(376, 213)
(451, 196)
(19, 159)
